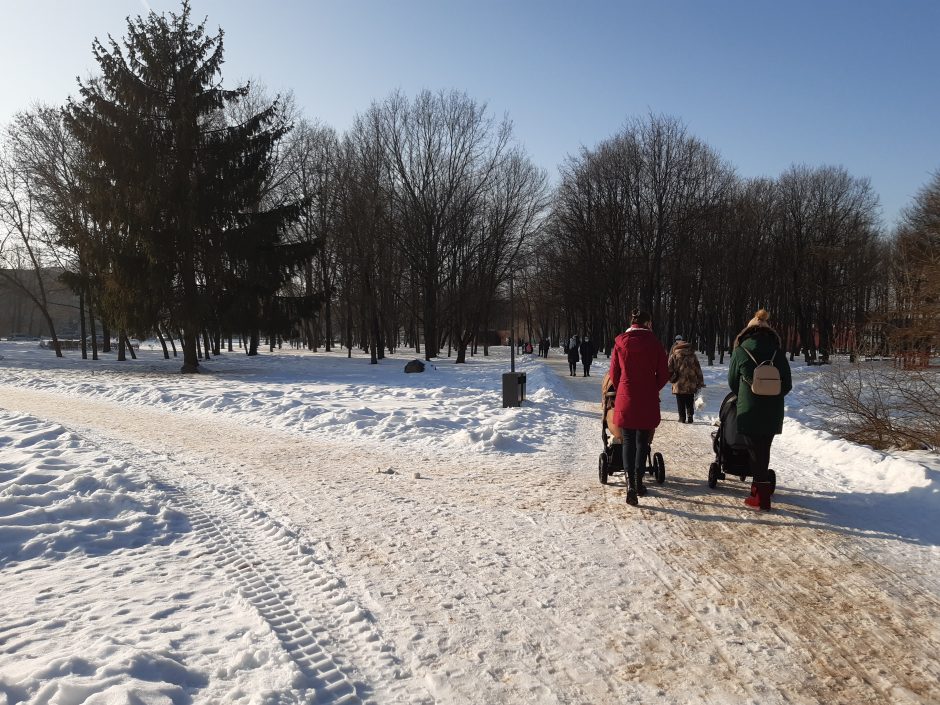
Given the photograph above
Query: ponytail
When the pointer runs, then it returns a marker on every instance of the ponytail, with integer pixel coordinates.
(639, 318)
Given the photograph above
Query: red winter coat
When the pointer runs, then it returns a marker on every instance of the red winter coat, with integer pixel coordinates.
(638, 371)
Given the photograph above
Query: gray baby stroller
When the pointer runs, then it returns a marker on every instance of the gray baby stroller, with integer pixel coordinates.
(731, 457)
(611, 460)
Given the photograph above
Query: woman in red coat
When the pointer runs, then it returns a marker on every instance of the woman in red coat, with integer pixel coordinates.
(638, 371)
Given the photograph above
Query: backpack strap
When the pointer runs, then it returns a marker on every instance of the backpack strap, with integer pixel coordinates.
(772, 357)
(757, 364)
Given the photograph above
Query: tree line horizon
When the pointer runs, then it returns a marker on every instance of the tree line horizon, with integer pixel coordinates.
(182, 209)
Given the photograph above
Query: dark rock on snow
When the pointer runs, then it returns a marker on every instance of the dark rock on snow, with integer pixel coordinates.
(414, 366)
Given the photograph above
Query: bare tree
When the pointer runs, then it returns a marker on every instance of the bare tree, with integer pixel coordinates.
(444, 150)
(49, 153)
(23, 237)
(313, 180)
(495, 226)
(914, 314)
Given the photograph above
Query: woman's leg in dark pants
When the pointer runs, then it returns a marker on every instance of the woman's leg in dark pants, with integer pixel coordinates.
(643, 438)
(629, 456)
(636, 446)
(758, 450)
(680, 402)
(684, 402)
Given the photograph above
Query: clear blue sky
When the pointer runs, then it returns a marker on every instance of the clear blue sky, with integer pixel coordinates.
(767, 83)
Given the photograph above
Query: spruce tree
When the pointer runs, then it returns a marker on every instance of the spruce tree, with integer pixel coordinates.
(175, 184)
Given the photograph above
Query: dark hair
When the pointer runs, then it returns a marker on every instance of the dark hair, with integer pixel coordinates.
(639, 318)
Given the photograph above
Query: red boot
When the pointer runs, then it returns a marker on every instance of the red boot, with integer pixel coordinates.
(761, 498)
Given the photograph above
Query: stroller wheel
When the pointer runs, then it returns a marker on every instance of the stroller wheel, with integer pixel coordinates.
(602, 468)
(773, 480)
(713, 475)
(660, 466)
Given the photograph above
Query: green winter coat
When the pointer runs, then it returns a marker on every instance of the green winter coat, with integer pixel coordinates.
(758, 415)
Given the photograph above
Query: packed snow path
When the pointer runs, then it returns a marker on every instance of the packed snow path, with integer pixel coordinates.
(520, 578)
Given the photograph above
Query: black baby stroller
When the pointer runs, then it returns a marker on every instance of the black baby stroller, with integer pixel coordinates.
(611, 460)
(731, 456)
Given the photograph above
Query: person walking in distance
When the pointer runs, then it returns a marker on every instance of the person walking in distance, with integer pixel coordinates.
(573, 356)
(685, 373)
(638, 371)
(586, 351)
(760, 414)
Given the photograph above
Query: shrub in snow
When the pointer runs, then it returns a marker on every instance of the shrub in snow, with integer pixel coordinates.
(882, 406)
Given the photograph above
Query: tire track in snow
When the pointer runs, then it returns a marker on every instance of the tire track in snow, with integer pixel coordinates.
(251, 567)
(275, 574)
(329, 637)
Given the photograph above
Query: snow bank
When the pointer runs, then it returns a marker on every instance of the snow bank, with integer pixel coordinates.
(58, 496)
(448, 407)
(109, 597)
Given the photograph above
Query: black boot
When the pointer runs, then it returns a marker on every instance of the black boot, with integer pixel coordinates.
(640, 487)
(631, 488)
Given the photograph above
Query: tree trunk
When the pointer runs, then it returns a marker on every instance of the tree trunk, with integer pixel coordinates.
(55, 339)
(374, 339)
(190, 352)
(379, 336)
(166, 353)
(431, 341)
(328, 322)
(91, 322)
(81, 321)
(348, 324)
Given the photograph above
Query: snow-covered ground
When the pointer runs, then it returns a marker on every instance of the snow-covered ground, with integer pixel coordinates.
(303, 527)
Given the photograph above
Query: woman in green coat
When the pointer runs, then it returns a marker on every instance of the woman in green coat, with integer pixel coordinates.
(760, 418)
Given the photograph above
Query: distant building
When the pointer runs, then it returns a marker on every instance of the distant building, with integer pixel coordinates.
(20, 316)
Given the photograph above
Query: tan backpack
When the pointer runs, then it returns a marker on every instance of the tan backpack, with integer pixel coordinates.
(766, 382)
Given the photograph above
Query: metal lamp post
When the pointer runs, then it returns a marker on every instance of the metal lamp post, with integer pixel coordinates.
(512, 330)
(513, 382)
